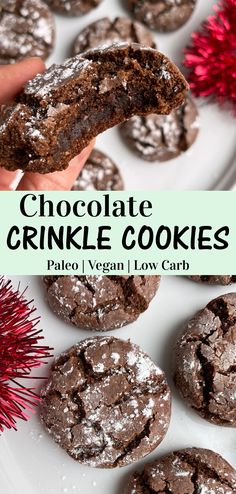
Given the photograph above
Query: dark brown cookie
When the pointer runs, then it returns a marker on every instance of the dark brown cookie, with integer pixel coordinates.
(100, 302)
(106, 32)
(73, 7)
(60, 111)
(163, 15)
(99, 173)
(188, 471)
(214, 280)
(206, 361)
(162, 137)
(106, 403)
(27, 29)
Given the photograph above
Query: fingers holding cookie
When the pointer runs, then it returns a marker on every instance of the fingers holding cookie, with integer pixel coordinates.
(13, 78)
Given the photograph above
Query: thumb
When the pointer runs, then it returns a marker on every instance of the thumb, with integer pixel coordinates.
(13, 77)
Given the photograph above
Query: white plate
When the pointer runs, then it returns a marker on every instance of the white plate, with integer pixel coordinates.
(31, 463)
(200, 167)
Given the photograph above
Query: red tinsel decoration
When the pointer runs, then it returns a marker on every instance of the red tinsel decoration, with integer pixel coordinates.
(211, 57)
(19, 353)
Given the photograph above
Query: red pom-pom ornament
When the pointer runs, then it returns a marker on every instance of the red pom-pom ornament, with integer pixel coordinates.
(20, 352)
(211, 56)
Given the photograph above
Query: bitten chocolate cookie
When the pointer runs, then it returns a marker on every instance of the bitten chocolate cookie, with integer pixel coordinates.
(27, 29)
(100, 302)
(60, 111)
(105, 31)
(188, 471)
(73, 7)
(106, 403)
(162, 137)
(206, 361)
(99, 173)
(163, 15)
(214, 280)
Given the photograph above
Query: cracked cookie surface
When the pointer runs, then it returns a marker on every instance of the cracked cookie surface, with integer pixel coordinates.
(59, 112)
(99, 173)
(27, 29)
(188, 471)
(106, 31)
(214, 280)
(73, 7)
(100, 302)
(162, 137)
(205, 367)
(106, 403)
(163, 15)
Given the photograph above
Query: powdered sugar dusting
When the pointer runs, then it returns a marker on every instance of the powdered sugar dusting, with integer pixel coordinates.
(116, 357)
(116, 405)
(163, 137)
(28, 31)
(99, 173)
(144, 367)
(56, 75)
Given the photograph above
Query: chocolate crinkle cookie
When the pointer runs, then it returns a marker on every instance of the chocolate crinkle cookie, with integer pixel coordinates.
(106, 31)
(99, 173)
(214, 280)
(162, 137)
(106, 403)
(206, 361)
(163, 15)
(60, 111)
(27, 29)
(73, 7)
(100, 302)
(188, 471)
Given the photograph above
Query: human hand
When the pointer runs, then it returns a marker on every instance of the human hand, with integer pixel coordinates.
(12, 79)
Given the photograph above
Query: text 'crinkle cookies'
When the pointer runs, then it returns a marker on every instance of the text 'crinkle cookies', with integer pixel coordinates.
(60, 111)
(188, 471)
(206, 361)
(106, 403)
(100, 302)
